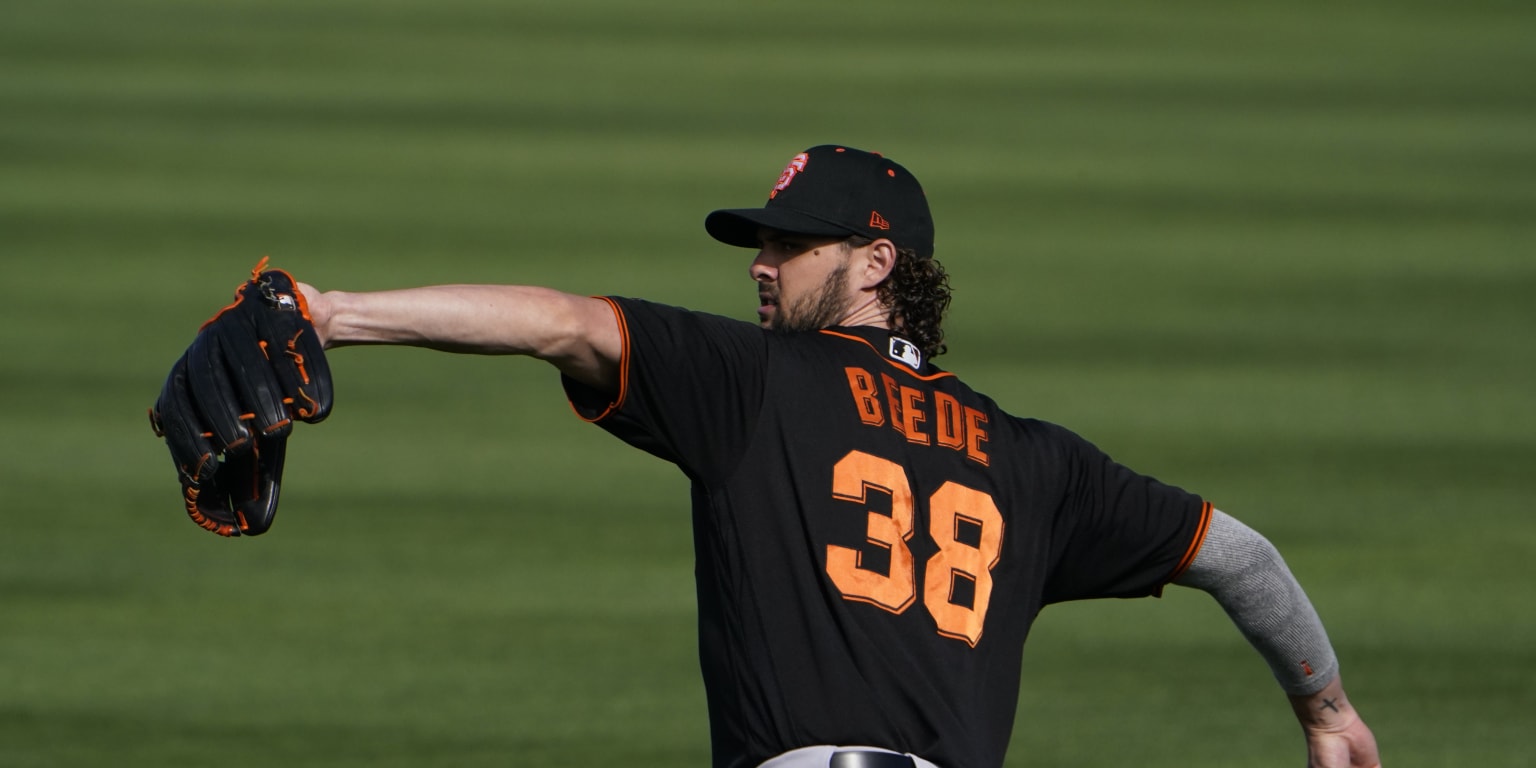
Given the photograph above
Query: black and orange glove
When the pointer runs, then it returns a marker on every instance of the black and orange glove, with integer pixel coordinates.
(228, 406)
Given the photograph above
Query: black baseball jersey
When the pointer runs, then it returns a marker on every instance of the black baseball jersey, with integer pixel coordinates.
(873, 537)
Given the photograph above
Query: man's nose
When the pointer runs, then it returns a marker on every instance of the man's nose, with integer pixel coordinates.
(761, 269)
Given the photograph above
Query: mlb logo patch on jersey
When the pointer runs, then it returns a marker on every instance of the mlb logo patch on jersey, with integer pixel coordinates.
(906, 352)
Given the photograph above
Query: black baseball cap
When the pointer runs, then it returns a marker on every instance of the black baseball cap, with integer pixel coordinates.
(836, 191)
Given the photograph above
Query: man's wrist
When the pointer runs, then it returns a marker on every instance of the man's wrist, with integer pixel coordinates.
(1327, 710)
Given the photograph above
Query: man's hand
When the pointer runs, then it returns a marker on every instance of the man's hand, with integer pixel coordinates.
(229, 404)
(1336, 736)
(319, 311)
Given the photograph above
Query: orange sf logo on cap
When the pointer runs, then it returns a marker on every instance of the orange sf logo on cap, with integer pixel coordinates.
(795, 166)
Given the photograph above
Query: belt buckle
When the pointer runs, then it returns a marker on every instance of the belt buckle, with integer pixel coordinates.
(863, 758)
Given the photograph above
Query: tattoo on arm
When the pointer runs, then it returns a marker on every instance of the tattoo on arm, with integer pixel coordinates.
(1328, 704)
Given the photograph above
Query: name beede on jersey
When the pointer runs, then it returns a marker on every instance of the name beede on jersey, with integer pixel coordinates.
(923, 416)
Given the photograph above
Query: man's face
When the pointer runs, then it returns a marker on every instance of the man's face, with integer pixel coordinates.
(802, 281)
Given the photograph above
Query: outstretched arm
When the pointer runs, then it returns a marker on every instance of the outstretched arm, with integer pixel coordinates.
(577, 334)
(1247, 576)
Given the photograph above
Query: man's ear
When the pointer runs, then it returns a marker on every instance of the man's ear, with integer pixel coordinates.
(879, 258)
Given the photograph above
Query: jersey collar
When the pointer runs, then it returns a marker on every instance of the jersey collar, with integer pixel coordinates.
(892, 346)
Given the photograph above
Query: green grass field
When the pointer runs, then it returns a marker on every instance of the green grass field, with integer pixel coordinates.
(1281, 255)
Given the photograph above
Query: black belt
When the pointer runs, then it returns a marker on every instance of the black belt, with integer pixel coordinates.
(856, 758)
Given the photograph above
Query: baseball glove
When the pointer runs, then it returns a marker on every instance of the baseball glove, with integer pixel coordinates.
(228, 406)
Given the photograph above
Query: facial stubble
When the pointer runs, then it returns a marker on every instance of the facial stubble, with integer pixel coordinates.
(822, 309)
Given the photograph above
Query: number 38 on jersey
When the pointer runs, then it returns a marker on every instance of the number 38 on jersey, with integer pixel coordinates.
(963, 522)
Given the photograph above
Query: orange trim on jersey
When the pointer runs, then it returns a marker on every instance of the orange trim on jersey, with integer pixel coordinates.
(888, 361)
(1194, 545)
(618, 401)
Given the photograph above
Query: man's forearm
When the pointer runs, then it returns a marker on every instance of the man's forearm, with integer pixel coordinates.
(577, 334)
(1246, 575)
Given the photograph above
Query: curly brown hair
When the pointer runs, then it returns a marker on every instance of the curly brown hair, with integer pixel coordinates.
(917, 293)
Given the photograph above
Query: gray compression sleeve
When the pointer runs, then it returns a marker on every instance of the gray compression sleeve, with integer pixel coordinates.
(1246, 575)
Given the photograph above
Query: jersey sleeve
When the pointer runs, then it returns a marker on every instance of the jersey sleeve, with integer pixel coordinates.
(691, 386)
(1116, 533)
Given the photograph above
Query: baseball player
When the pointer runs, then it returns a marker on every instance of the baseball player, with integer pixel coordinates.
(874, 538)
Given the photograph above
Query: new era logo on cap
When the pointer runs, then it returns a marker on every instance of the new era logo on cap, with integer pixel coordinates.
(835, 191)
